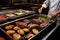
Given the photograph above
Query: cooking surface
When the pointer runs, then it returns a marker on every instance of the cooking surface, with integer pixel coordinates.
(55, 35)
(32, 26)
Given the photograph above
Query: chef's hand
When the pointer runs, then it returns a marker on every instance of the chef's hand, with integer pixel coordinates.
(54, 14)
(40, 9)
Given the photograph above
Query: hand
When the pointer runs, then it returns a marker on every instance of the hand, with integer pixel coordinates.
(54, 14)
(40, 10)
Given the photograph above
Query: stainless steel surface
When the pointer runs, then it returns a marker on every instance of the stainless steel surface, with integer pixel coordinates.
(16, 20)
(44, 38)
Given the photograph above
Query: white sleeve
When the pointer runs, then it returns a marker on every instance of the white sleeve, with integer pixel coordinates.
(46, 3)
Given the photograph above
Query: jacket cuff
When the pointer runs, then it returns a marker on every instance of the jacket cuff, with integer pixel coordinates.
(44, 5)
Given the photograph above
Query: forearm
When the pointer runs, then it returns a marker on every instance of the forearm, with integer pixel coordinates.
(58, 12)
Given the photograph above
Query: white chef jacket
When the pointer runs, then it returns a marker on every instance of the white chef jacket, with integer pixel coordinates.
(53, 6)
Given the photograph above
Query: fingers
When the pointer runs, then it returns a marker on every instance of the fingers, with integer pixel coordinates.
(53, 14)
(40, 10)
